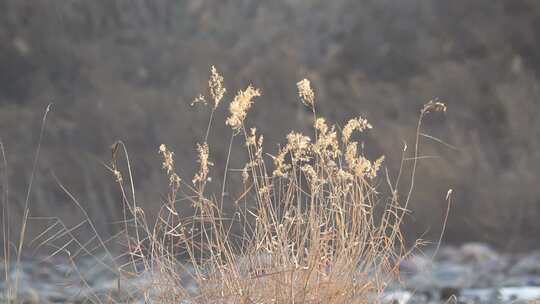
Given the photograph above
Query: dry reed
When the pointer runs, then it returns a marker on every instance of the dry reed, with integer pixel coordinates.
(310, 232)
(306, 227)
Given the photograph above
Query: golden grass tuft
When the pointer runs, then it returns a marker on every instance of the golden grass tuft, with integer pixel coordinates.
(305, 230)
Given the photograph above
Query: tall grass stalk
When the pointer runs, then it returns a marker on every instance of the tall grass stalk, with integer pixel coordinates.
(26, 209)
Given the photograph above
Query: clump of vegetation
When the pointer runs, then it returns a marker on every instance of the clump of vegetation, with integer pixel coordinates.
(309, 231)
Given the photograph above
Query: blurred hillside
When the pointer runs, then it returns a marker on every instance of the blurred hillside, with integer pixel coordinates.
(129, 70)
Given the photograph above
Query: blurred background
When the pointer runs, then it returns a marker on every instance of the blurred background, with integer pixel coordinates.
(129, 69)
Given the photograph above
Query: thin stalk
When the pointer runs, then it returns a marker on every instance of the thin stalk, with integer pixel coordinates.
(27, 200)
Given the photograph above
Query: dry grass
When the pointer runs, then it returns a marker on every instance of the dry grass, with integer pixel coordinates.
(141, 89)
(308, 227)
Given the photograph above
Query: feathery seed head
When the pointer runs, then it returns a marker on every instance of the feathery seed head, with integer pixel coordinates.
(256, 144)
(306, 92)
(174, 181)
(217, 90)
(168, 165)
(239, 107)
(327, 142)
(202, 175)
(299, 145)
(360, 166)
(321, 126)
(359, 124)
(433, 106)
(118, 176)
(312, 176)
(350, 154)
(199, 99)
(376, 166)
(281, 167)
(168, 161)
(251, 140)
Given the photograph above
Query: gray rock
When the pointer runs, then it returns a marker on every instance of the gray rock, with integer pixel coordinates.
(396, 297)
(443, 275)
(478, 253)
(502, 295)
(521, 280)
(415, 264)
(529, 264)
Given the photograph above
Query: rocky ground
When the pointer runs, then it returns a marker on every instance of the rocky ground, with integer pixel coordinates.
(472, 273)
